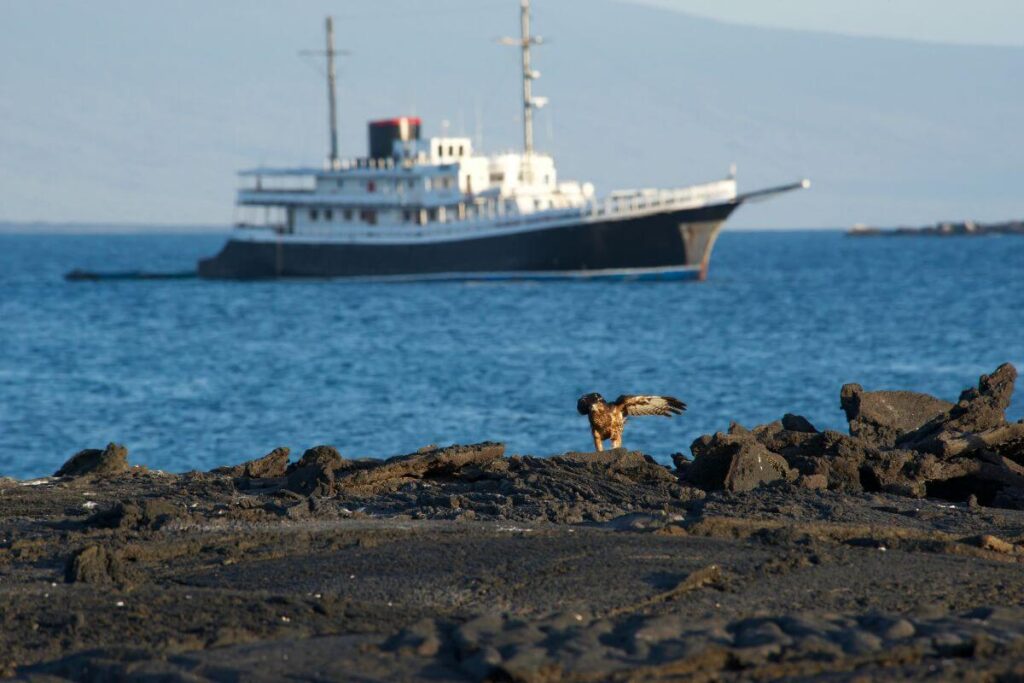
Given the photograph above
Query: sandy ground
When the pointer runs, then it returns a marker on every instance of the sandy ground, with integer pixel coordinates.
(208, 577)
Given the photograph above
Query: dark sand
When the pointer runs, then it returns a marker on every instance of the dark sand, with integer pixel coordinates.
(229, 585)
(464, 564)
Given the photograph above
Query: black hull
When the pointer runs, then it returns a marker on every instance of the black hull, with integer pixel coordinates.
(672, 244)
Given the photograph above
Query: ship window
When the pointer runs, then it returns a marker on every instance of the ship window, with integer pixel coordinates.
(451, 150)
(412, 183)
(497, 177)
(440, 150)
(313, 214)
(406, 216)
(461, 150)
(371, 186)
(368, 216)
(328, 215)
(348, 214)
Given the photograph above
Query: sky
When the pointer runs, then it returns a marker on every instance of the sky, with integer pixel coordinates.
(981, 22)
(901, 112)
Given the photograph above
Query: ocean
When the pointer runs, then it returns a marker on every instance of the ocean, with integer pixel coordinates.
(191, 374)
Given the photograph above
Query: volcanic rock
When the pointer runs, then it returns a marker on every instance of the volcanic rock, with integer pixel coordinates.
(324, 456)
(735, 462)
(681, 463)
(137, 515)
(797, 423)
(1010, 497)
(96, 564)
(979, 409)
(812, 481)
(843, 458)
(439, 462)
(111, 460)
(273, 464)
(570, 488)
(1007, 440)
(314, 479)
(620, 464)
(882, 417)
(318, 469)
(777, 438)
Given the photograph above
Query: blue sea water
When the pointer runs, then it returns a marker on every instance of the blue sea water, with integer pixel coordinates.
(193, 374)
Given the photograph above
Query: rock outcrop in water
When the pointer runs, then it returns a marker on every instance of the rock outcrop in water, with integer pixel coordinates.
(475, 482)
(111, 460)
(273, 464)
(881, 417)
(900, 442)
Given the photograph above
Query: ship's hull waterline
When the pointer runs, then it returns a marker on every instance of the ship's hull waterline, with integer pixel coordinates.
(666, 245)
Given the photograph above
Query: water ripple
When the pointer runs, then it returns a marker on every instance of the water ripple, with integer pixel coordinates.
(196, 374)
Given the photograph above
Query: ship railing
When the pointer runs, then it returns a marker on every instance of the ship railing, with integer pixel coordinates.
(501, 214)
(642, 201)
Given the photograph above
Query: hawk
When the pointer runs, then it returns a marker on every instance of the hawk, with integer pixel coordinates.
(607, 420)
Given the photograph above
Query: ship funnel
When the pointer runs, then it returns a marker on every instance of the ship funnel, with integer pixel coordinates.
(386, 132)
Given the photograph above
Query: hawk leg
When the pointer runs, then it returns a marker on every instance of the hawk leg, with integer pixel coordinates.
(617, 441)
(598, 443)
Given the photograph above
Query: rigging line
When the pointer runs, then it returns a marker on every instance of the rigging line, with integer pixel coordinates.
(316, 67)
(426, 13)
(315, 64)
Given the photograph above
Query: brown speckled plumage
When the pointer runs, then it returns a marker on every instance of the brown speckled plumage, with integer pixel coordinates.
(608, 420)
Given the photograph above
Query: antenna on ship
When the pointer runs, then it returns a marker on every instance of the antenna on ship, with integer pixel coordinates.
(524, 42)
(332, 97)
(333, 161)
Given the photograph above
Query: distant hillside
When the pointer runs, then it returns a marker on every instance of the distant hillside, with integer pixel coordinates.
(149, 120)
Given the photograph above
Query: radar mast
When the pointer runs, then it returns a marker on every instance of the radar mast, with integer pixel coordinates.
(525, 42)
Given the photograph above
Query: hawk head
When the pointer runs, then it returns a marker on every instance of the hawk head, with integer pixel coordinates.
(587, 400)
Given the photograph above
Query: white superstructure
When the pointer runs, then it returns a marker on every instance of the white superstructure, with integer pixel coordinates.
(413, 184)
(437, 180)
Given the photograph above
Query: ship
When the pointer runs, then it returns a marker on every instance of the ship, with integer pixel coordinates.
(433, 208)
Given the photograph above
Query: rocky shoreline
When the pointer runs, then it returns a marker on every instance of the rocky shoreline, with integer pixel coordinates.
(947, 229)
(776, 552)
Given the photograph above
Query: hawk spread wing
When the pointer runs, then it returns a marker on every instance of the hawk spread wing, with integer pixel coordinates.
(650, 405)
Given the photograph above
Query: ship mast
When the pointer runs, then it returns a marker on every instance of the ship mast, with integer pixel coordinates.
(524, 42)
(332, 99)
